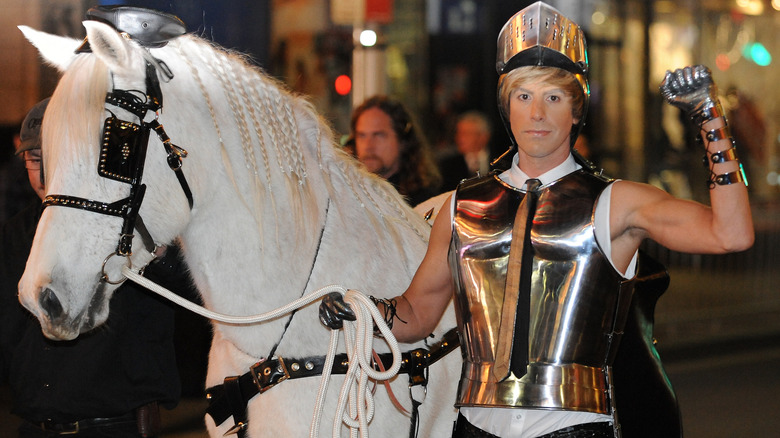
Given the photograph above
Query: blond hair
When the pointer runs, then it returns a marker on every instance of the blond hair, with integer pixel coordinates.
(551, 75)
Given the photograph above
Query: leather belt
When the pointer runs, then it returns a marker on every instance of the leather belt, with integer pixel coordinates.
(75, 427)
(232, 396)
(146, 418)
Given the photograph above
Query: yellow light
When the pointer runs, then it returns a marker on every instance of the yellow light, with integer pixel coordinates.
(751, 7)
(776, 4)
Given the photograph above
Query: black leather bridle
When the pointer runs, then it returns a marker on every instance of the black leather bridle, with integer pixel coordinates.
(122, 156)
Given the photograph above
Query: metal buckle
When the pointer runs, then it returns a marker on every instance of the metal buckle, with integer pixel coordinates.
(418, 367)
(61, 429)
(268, 373)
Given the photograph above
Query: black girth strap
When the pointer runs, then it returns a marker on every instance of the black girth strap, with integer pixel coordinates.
(262, 376)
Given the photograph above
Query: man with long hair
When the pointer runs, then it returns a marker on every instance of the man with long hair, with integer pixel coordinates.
(389, 144)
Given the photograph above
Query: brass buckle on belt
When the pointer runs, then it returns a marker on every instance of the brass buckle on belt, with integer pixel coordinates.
(59, 430)
(269, 372)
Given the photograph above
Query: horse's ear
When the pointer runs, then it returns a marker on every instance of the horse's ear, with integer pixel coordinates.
(113, 49)
(58, 51)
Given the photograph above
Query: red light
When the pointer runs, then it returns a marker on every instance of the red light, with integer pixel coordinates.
(722, 62)
(343, 85)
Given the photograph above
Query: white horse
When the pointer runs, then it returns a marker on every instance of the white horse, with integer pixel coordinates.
(279, 211)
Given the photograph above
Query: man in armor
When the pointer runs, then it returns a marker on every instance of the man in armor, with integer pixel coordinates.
(541, 258)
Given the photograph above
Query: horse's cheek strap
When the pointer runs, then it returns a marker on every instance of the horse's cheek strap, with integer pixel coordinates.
(175, 155)
(125, 246)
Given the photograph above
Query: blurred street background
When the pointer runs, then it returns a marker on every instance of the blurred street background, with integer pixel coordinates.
(718, 333)
(718, 325)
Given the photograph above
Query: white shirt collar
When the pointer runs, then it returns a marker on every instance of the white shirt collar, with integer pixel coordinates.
(515, 177)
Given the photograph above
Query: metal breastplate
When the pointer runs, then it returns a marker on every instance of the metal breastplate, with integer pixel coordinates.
(578, 301)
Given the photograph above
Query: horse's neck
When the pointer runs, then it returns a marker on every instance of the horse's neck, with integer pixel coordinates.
(242, 268)
(280, 213)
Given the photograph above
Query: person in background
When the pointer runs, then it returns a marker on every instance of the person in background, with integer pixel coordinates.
(389, 144)
(14, 190)
(541, 259)
(472, 135)
(106, 383)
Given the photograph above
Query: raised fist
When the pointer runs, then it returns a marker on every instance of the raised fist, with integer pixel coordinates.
(692, 90)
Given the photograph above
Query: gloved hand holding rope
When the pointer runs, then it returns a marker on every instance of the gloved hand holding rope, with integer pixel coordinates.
(364, 317)
(359, 336)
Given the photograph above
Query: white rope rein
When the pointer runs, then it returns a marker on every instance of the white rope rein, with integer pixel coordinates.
(358, 337)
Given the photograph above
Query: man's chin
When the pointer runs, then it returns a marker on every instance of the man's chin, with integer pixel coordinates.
(373, 165)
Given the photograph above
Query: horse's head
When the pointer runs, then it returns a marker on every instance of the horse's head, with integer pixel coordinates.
(94, 139)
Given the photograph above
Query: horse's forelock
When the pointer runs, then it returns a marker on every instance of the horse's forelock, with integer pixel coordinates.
(73, 119)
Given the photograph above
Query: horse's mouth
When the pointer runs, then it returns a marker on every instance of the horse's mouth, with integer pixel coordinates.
(59, 325)
(62, 329)
(58, 332)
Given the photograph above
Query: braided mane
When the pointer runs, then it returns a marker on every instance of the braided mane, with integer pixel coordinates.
(276, 127)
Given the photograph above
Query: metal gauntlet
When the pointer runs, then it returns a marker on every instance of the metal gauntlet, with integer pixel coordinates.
(692, 90)
(334, 310)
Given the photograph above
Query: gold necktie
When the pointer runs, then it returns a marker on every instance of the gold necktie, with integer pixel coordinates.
(512, 353)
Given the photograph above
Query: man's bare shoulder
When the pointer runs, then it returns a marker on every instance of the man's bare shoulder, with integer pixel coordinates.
(636, 192)
(634, 205)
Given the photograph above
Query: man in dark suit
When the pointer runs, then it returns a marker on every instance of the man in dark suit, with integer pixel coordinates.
(472, 135)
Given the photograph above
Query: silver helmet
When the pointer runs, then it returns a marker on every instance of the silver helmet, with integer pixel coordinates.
(540, 35)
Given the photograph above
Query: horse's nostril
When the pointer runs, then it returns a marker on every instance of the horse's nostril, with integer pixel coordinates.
(50, 303)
